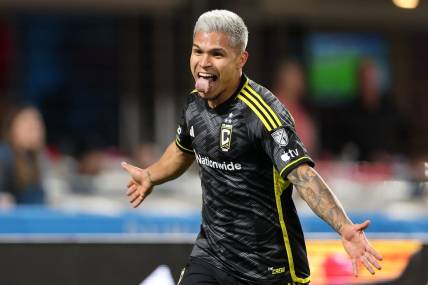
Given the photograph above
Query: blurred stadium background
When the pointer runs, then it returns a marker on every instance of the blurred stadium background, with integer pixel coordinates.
(109, 79)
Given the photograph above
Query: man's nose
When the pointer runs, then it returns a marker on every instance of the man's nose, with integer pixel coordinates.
(205, 61)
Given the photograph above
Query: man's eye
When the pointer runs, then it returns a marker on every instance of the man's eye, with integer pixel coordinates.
(218, 54)
(197, 51)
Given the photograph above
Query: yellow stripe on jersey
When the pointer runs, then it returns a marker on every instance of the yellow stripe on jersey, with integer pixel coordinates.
(280, 185)
(265, 104)
(260, 108)
(256, 111)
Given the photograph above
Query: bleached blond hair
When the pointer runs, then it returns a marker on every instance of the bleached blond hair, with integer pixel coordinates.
(224, 21)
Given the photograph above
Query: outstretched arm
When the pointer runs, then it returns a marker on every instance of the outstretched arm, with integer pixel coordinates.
(171, 165)
(324, 203)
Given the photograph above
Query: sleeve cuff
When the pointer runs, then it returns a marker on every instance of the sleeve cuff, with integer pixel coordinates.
(182, 148)
(294, 164)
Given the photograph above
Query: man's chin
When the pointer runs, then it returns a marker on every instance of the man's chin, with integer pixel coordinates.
(206, 96)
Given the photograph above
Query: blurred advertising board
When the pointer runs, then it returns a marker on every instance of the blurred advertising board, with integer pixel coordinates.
(330, 264)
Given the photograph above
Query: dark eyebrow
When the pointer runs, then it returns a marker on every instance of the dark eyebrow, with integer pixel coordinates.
(214, 50)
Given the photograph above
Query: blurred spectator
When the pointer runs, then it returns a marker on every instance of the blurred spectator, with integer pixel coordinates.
(375, 127)
(89, 156)
(20, 156)
(290, 88)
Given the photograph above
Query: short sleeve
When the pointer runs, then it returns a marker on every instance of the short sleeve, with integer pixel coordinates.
(183, 139)
(285, 149)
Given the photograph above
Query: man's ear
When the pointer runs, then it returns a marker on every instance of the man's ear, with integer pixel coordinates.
(243, 57)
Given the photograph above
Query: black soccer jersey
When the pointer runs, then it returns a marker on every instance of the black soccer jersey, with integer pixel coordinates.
(245, 149)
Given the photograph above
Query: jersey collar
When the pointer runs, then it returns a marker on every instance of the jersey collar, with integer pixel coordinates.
(224, 106)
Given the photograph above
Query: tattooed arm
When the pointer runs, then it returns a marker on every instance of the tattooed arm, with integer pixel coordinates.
(319, 197)
(324, 203)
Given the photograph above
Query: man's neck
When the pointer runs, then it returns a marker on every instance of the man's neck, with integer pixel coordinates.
(226, 94)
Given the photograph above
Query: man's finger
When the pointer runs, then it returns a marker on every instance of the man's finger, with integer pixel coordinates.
(373, 261)
(133, 197)
(354, 267)
(367, 264)
(363, 226)
(132, 185)
(131, 190)
(373, 252)
(131, 182)
(132, 170)
(137, 202)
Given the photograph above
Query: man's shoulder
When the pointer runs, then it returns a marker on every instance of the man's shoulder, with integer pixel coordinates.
(260, 89)
(264, 105)
(267, 96)
(192, 98)
(192, 95)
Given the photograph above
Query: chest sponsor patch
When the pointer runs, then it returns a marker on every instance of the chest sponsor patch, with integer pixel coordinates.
(280, 137)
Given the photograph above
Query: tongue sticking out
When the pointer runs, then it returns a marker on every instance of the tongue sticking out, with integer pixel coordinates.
(202, 85)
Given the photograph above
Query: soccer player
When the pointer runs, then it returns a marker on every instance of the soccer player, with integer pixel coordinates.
(250, 158)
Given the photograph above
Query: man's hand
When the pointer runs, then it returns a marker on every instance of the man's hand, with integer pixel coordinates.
(324, 203)
(139, 186)
(358, 248)
(172, 164)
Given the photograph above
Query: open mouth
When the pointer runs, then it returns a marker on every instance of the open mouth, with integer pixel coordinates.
(207, 76)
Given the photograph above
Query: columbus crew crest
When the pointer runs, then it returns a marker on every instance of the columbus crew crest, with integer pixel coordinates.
(280, 137)
(225, 136)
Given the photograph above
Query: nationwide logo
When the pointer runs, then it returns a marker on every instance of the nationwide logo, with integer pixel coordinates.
(230, 166)
(280, 137)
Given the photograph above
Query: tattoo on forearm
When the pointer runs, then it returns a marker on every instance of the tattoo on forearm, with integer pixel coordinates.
(319, 197)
